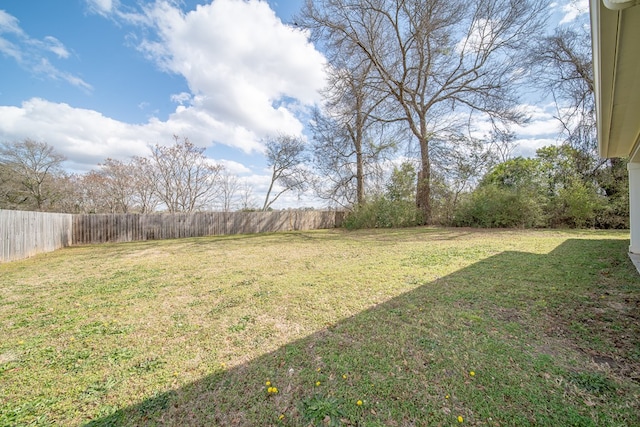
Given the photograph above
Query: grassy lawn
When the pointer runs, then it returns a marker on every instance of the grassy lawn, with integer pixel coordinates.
(372, 328)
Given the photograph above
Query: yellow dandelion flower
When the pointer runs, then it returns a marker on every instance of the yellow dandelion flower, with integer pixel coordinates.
(460, 419)
(268, 383)
(317, 383)
(447, 396)
(175, 374)
(281, 417)
(319, 369)
(472, 373)
(274, 390)
(359, 403)
(270, 390)
(344, 376)
(21, 342)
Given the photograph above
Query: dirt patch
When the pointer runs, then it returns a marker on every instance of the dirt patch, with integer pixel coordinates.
(508, 315)
(607, 330)
(8, 357)
(147, 254)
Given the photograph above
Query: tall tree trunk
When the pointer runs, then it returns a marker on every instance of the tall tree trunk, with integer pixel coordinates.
(359, 159)
(423, 187)
(359, 178)
(423, 190)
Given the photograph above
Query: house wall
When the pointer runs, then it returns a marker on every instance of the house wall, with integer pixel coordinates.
(634, 206)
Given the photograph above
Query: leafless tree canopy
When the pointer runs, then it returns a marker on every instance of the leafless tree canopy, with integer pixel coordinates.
(434, 57)
(229, 187)
(285, 156)
(145, 198)
(354, 130)
(183, 178)
(118, 180)
(562, 64)
(27, 173)
(178, 178)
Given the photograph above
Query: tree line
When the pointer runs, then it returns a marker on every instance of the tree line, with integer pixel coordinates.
(396, 138)
(172, 178)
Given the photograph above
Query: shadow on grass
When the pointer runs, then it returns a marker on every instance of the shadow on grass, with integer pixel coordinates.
(514, 319)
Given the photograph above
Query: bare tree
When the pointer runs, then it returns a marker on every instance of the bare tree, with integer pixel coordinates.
(502, 142)
(285, 155)
(10, 195)
(95, 194)
(119, 187)
(349, 132)
(72, 194)
(247, 201)
(31, 167)
(434, 56)
(562, 64)
(118, 181)
(144, 187)
(229, 186)
(185, 179)
(344, 148)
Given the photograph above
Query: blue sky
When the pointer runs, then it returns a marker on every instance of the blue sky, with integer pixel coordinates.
(105, 78)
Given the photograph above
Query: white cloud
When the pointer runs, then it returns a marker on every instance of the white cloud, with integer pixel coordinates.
(234, 167)
(44, 67)
(479, 38)
(542, 122)
(85, 137)
(239, 61)
(541, 130)
(116, 11)
(572, 9)
(54, 45)
(249, 77)
(526, 147)
(181, 98)
(102, 7)
(10, 49)
(9, 24)
(30, 53)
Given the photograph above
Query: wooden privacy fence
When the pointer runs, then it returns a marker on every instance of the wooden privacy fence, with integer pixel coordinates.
(25, 234)
(101, 228)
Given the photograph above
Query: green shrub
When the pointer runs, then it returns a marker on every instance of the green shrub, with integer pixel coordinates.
(614, 212)
(383, 213)
(491, 206)
(581, 202)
